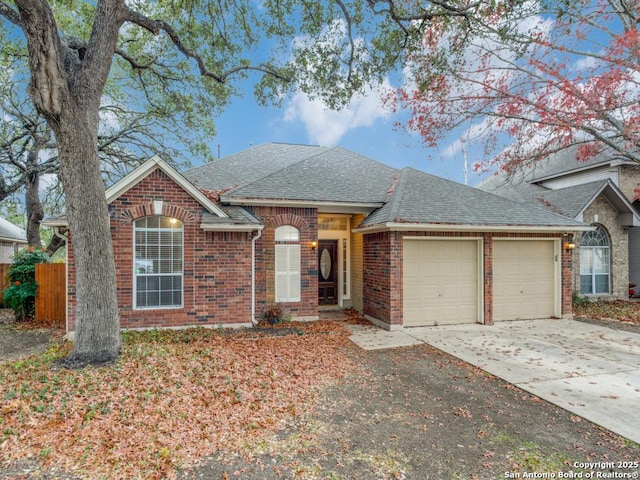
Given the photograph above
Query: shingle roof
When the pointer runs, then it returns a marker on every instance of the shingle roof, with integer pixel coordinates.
(237, 216)
(427, 199)
(11, 232)
(332, 175)
(249, 165)
(565, 161)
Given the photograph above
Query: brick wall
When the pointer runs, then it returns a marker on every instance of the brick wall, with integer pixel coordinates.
(377, 277)
(607, 217)
(217, 265)
(306, 221)
(383, 275)
(629, 181)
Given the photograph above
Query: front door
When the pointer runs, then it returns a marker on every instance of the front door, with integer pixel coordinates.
(327, 272)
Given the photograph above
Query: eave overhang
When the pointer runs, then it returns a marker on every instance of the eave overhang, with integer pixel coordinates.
(208, 227)
(627, 215)
(321, 206)
(441, 227)
(137, 175)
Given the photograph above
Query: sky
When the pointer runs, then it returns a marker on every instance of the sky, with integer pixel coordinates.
(365, 127)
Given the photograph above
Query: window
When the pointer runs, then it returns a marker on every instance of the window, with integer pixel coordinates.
(287, 264)
(158, 262)
(595, 263)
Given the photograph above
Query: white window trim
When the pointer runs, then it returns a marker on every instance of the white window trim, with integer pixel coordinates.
(135, 275)
(287, 270)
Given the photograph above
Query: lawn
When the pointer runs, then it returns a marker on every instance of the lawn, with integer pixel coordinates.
(172, 398)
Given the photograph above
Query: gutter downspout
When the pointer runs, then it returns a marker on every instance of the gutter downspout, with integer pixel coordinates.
(253, 277)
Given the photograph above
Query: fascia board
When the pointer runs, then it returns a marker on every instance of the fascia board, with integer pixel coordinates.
(137, 175)
(423, 227)
(209, 227)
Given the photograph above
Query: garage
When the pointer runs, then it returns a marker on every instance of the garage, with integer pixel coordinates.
(525, 279)
(440, 281)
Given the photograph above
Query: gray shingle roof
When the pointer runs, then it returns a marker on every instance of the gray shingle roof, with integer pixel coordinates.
(11, 232)
(565, 161)
(333, 175)
(249, 165)
(237, 216)
(427, 199)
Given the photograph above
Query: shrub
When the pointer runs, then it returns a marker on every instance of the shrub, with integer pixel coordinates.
(274, 315)
(20, 295)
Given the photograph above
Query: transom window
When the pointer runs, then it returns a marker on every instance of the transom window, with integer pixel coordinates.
(158, 263)
(595, 263)
(287, 264)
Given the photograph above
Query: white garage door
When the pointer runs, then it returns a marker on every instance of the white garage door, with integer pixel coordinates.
(440, 282)
(524, 279)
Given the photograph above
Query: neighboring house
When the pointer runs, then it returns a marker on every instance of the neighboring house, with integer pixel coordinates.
(12, 239)
(311, 227)
(600, 192)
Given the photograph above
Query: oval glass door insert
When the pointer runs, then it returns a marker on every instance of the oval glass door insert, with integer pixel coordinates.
(325, 264)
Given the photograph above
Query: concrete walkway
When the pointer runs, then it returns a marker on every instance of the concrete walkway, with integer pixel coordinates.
(589, 370)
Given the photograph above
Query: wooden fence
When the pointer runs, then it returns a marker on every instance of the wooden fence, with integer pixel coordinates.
(4, 270)
(51, 300)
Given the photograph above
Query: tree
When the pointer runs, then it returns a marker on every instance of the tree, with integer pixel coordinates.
(126, 137)
(186, 54)
(531, 81)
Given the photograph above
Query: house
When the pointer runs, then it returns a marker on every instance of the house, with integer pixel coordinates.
(12, 239)
(309, 227)
(600, 192)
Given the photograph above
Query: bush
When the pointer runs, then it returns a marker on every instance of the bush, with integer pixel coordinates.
(20, 295)
(274, 315)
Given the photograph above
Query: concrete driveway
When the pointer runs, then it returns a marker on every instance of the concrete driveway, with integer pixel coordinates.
(590, 370)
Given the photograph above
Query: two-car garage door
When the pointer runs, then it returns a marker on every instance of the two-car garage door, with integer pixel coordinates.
(442, 280)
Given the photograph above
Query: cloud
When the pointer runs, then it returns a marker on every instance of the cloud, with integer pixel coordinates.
(326, 127)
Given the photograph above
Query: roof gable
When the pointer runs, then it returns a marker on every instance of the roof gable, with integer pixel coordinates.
(155, 163)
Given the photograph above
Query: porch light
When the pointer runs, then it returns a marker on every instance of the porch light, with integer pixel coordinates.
(314, 245)
(569, 245)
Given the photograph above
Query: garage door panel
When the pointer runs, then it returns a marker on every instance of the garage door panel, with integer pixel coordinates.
(524, 285)
(447, 282)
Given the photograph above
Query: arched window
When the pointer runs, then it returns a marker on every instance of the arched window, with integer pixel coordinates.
(158, 263)
(287, 264)
(595, 262)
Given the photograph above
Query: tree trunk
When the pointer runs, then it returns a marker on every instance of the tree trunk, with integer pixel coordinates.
(35, 212)
(65, 87)
(97, 324)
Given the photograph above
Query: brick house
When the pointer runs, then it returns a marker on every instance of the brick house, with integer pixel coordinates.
(309, 228)
(599, 192)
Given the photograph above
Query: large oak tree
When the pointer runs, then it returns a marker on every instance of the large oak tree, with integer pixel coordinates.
(188, 49)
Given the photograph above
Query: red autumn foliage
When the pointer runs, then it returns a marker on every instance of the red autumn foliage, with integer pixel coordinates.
(535, 79)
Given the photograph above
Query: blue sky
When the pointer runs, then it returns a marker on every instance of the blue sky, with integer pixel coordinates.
(365, 127)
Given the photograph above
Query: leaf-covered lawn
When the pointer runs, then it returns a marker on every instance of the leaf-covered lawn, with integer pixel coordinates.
(621, 310)
(172, 398)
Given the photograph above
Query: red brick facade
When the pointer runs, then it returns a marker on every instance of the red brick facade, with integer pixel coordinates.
(306, 221)
(383, 272)
(217, 265)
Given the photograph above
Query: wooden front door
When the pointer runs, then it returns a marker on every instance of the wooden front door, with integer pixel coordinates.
(327, 272)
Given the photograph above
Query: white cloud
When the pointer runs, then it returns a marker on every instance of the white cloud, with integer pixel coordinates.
(327, 127)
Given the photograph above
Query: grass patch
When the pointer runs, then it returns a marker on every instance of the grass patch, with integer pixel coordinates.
(173, 398)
